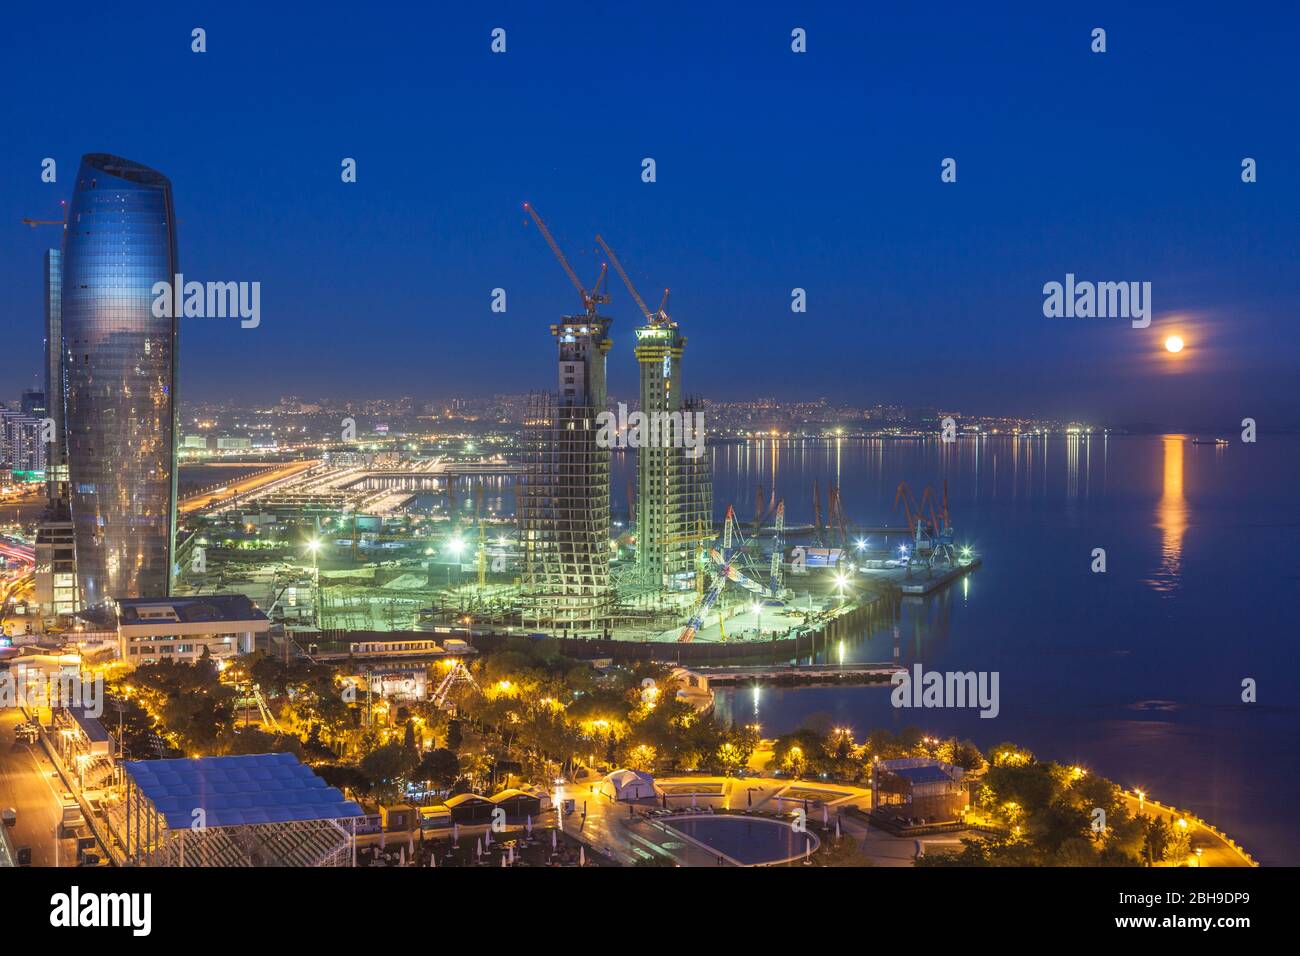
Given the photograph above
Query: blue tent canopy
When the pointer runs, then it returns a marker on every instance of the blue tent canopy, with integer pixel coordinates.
(237, 791)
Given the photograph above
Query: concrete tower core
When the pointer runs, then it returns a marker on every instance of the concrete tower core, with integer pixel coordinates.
(674, 490)
(563, 497)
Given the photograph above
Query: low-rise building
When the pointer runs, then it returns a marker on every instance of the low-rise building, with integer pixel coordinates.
(918, 791)
(181, 628)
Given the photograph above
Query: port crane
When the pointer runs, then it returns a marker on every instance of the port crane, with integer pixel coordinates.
(932, 535)
(592, 298)
(480, 557)
(835, 519)
(778, 550)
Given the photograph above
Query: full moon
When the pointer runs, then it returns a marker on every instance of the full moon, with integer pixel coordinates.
(1174, 343)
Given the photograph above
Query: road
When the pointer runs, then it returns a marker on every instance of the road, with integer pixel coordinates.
(24, 512)
(27, 784)
(242, 486)
(1214, 847)
(17, 589)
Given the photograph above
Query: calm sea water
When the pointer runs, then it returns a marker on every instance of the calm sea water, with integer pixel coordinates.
(1136, 673)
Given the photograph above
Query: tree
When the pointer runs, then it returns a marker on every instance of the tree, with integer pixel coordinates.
(345, 778)
(1179, 845)
(388, 767)
(440, 767)
(842, 852)
(1157, 840)
(966, 755)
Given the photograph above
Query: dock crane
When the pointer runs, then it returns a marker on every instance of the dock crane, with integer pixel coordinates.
(592, 298)
(481, 556)
(932, 536)
(817, 513)
(658, 318)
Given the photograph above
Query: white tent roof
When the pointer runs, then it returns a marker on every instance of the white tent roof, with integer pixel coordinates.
(624, 778)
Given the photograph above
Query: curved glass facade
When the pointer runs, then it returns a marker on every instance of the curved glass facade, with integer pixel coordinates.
(120, 376)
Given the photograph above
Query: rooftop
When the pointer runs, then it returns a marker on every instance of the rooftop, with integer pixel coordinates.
(923, 774)
(237, 791)
(190, 610)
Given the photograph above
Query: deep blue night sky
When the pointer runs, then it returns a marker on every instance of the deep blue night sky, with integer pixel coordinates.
(775, 170)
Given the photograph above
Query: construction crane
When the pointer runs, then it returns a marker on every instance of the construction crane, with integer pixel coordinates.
(726, 559)
(696, 620)
(660, 318)
(49, 222)
(591, 299)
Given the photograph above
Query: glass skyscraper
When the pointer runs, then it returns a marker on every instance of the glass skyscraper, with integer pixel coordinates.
(119, 368)
(56, 468)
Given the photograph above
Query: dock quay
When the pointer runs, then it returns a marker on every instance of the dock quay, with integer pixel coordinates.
(913, 585)
(926, 585)
(786, 675)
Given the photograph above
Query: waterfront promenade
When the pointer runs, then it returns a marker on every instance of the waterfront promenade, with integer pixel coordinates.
(619, 830)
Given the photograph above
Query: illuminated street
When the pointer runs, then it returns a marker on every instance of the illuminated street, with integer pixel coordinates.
(28, 783)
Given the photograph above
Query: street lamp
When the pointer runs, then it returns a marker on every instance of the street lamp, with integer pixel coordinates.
(313, 548)
(455, 546)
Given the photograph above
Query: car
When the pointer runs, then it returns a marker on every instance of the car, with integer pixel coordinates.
(10, 816)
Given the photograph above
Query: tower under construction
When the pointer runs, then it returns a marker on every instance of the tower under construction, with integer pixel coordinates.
(674, 483)
(563, 496)
(674, 507)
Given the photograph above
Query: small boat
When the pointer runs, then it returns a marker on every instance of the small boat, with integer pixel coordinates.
(1209, 441)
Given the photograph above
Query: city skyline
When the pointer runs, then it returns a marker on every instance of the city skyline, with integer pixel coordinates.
(918, 291)
(355, 515)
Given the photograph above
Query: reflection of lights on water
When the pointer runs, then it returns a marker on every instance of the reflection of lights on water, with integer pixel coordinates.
(1171, 515)
(756, 690)
(965, 586)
